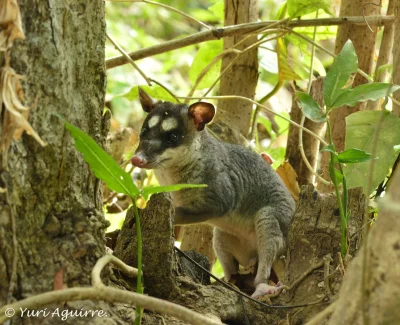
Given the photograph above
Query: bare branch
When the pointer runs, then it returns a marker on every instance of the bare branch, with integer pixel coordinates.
(242, 29)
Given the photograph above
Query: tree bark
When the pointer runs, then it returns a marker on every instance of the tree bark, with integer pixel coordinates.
(379, 298)
(364, 43)
(241, 78)
(310, 144)
(52, 196)
(396, 56)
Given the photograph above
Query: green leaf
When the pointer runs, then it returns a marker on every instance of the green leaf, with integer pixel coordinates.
(170, 188)
(102, 165)
(155, 91)
(310, 108)
(351, 156)
(285, 70)
(339, 176)
(396, 149)
(361, 129)
(207, 52)
(297, 8)
(363, 93)
(336, 80)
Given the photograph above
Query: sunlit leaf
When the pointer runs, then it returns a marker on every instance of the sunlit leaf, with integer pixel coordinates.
(363, 93)
(353, 155)
(207, 52)
(336, 80)
(297, 8)
(102, 165)
(285, 70)
(310, 108)
(361, 129)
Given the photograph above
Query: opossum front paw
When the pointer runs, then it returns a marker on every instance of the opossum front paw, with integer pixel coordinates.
(266, 289)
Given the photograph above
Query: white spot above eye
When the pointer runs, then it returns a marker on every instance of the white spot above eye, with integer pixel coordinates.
(154, 121)
(169, 124)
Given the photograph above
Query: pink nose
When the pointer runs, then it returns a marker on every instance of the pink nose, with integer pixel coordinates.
(139, 161)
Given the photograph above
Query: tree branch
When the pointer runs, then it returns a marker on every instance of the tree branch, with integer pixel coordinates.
(242, 29)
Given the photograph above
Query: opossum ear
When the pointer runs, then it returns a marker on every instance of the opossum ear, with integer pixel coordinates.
(202, 113)
(146, 101)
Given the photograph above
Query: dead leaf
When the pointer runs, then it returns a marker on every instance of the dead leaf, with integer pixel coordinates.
(10, 21)
(289, 177)
(15, 115)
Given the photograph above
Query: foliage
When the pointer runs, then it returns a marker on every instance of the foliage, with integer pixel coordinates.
(337, 92)
(361, 129)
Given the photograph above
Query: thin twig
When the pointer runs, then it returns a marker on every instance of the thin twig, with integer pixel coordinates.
(359, 71)
(177, 11)
(304, 157)
(301, 148)
(237, 57)
(267, 109)
(230, 287)
(258, 108)
(241, 29)
(165, 88)
(130, 60)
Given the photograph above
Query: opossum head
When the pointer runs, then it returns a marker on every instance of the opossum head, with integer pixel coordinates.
(170, 132)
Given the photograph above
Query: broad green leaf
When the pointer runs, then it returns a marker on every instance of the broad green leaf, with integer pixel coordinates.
(361, 129)
(363, 93)
(207, 52)
(155, 91)
(310, 108)
(170, 188)
(297, 8)
(353, 155)
(285, 70)
(396, 149)
(102, 165)
(336, 80)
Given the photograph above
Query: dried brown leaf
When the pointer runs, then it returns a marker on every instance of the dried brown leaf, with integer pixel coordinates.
(10, 21)
(289, 177)
(15, 116)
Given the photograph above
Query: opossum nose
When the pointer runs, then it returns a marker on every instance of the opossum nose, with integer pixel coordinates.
(138, 160)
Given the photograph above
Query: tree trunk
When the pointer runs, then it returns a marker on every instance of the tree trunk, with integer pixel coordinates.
(379, 298)
(396, 57)
(51, 221)
(310, 144)
(233, 117)
(364, 43)
(241, 78)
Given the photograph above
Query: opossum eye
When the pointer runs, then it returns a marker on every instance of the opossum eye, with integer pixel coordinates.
(143, 131)
(172, 138)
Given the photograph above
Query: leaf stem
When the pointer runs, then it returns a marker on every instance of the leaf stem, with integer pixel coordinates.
(332, 172)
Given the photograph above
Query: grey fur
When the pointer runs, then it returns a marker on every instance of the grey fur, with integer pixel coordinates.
(245, 200)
